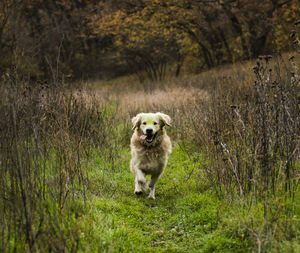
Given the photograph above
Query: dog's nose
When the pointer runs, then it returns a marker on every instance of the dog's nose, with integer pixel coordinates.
(149, 131)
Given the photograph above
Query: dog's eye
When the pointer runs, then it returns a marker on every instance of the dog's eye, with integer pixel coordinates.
(144, 123)
(155, 123)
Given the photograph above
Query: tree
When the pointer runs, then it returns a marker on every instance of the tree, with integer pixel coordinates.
(97, 38)
(143, 39)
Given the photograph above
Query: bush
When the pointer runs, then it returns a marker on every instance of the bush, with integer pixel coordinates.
(48, 134)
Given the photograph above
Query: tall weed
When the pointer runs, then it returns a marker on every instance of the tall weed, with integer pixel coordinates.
(48, 136)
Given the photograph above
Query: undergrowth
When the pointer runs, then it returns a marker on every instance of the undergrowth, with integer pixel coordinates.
(231, 184)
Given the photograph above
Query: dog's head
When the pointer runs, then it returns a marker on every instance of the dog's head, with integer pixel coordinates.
(150, 125)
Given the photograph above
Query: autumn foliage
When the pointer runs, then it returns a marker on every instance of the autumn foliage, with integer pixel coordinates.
(103, 39)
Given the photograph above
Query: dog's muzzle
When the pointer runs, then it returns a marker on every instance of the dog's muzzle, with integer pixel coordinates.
(148, 137)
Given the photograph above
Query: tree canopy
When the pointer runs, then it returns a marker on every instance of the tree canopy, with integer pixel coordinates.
(103, 39)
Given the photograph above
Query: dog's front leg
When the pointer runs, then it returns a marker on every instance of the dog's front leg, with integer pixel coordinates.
(140, 182)
(152, 183)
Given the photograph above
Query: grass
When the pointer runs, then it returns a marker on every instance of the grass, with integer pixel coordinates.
(185, 217)
(65, 158)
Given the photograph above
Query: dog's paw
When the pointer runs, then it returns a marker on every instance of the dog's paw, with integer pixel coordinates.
(151, 196)
(146, 189)
(138, 193)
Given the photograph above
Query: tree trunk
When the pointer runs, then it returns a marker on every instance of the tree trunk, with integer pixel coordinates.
(222, 36)
(237, 29)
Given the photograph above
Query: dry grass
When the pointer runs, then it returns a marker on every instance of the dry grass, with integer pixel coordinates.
(158, 100)
(240, 137)
(131, 96)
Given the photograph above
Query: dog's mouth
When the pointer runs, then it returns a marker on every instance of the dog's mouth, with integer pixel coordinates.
(148, 137)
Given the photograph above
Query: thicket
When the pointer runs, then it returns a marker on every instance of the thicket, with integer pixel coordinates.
(48, 135)
(244, 136)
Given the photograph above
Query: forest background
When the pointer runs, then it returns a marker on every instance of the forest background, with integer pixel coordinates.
(106, 39)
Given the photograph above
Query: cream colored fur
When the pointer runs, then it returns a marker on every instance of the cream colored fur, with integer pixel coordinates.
(149, 157)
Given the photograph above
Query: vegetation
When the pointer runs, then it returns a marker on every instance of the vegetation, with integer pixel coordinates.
(95, 38)
(231, 184)
(232, 181)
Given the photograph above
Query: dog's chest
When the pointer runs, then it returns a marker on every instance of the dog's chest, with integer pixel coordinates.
(151, 161)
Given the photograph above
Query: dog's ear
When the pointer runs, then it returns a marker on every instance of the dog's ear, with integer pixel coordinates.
(165, 118)
(136, 121)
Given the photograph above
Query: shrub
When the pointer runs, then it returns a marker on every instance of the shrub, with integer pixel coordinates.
(47, 135)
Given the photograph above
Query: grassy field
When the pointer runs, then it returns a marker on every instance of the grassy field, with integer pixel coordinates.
(231, 184)
(185, 217)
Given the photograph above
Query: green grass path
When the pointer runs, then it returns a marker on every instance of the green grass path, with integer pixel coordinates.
(184, 217)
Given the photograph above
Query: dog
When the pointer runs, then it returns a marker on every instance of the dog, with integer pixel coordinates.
(150, 148)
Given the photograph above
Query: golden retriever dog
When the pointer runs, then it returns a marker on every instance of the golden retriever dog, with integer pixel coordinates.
(150, 147)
